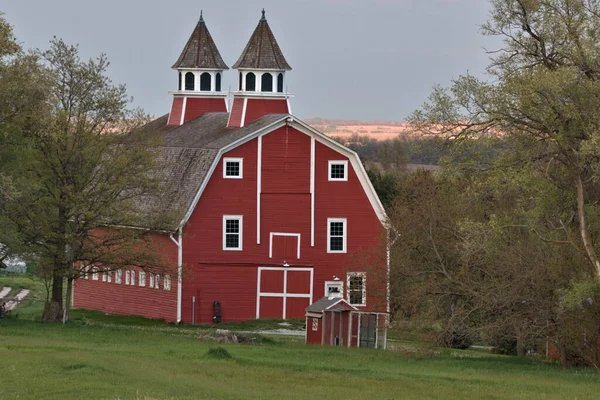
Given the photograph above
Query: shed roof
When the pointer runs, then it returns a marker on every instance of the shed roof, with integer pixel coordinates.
(262, 50)
(200, 50)
(330, 304)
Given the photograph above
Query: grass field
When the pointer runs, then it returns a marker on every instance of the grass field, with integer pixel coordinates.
(107, 357)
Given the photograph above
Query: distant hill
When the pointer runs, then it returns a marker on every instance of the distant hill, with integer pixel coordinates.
(379, 130)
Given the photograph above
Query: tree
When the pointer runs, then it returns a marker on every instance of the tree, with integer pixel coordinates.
(86, 177)
(545, 98)
(22, 96)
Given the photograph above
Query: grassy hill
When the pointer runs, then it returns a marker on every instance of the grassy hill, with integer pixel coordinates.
(100, 357)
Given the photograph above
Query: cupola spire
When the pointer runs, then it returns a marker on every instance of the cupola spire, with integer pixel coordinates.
(200, 73)
(262, 68)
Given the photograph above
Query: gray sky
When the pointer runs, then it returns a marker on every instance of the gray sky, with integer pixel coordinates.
(351, 59)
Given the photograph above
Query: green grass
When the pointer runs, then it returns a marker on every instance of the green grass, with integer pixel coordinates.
(108, 357)
(77, 361)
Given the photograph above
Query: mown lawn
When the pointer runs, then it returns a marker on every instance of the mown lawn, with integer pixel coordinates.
(92, 358)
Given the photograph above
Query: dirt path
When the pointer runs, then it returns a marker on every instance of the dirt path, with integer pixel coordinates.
(13, 298)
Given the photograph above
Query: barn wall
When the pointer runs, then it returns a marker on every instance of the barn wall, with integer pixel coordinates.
(196, 107)
(237, 109)
(122, 299)
(257, 108)
(176, 110)
(285, 208)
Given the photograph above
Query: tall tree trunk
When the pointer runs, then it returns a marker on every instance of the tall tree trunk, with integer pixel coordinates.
(588, 243)
(67, 307)
(53, 308)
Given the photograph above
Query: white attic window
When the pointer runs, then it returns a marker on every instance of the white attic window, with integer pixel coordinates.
(338, 170)
(233, 168)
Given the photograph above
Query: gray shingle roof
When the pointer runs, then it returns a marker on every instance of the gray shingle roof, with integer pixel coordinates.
(200, 51)
(186, 156)
(325, 302)
(262, 50)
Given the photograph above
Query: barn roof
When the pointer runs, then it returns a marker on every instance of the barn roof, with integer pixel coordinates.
(262, 50)
(200, 50)
(187, 155)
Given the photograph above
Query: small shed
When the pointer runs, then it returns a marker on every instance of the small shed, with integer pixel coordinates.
(333, 321)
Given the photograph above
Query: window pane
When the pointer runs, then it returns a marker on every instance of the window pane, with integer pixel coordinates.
(190, 81)
(232, 226)
(267, 82)
(356, 297)
(232, 168)
(336, 244)
(232, 241)
(205, 82)
(250, 82)
(338, 171)
(337, 229)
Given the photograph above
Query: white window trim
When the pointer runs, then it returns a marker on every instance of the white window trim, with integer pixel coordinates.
(128, 277)
(95, 273)
(241, 233)
(285, 295)
(142, 278)
(151, 285)
(167, 283)
(338, 162)
(157, 281)
(329, 221)
(273, 234)
(233, 159)
(118, 277)
(364, 288)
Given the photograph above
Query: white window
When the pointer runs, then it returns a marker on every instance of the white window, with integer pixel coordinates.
(118, 277)
(357, 288)
(334, 289)
(86, 272)
(95, 273)
(109, 279)
(104, 275)
(315, 324)
(133, 278)
(157, 281)
(142, 278)
(232, 232)
(151, 281)
(336, 235)
(233, 168)
(338, 170)
(127, 277)
(167, 282)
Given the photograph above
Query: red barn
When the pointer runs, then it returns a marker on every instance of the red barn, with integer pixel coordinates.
(275, 211)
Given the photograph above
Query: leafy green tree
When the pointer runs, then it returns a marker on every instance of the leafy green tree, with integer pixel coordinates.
(543, 94)
(85, 176)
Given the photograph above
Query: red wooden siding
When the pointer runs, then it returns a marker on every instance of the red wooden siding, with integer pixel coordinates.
(113, 298)
(227, 284)
(176, 110)
(257, 108)
(314, 337)
(286, 162)
(237, 109)
(196, 107)
(295, 307)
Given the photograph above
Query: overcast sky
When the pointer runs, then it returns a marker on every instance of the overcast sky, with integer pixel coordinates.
(351, 59)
